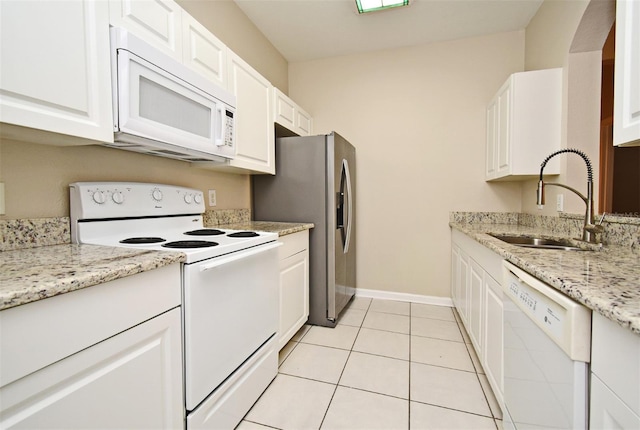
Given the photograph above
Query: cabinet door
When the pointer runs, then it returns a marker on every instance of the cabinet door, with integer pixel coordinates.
(626, 116)
(464, 288)
(255, 143)
(132, 380)
(203, 52)
(455, 276)
(157, 22)
(285, 110)
(304, 123)
(288, 114)
(493, 343)
(476, 298)
(294, 295)
(607, 411)
(55, 67)
(503, 129)
(492, 139)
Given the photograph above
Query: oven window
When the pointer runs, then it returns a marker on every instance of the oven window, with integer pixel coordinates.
(164, 106)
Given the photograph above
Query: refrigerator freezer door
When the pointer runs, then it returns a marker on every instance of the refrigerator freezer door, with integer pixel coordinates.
(341, 157)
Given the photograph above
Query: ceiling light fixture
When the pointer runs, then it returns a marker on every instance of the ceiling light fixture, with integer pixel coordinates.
(375, 5)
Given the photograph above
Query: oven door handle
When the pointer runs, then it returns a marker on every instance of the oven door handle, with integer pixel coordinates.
(239, 256)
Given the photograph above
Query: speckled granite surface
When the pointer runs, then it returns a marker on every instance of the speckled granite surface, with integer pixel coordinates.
(282, 228)
(31, 233)
(606, 281)
(28, 275)
(38, 262)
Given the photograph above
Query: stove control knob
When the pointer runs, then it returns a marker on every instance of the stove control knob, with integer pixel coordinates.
(98, 197)
(188, 198)
(156, 194)
(117, 197)
(198, 198)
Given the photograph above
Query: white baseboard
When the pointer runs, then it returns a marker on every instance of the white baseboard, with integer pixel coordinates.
(404, 297)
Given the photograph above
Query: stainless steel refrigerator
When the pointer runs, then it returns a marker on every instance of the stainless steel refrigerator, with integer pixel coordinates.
(315, 181)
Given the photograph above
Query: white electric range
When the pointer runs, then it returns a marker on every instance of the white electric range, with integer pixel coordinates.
(229, 288)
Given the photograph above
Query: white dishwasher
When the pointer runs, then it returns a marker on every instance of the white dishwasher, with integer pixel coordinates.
(547, 346)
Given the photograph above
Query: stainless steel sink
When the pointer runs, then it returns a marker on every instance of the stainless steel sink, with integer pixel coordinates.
(537, 242)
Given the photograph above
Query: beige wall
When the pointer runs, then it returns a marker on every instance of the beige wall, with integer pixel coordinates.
(36, 176)
(550, 32)
(417, 119)
(571, 35)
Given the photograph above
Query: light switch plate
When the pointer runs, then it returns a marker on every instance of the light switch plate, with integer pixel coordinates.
(560, 202)
(212, 197)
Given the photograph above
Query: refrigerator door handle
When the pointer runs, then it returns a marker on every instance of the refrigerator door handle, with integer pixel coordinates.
(345, 167)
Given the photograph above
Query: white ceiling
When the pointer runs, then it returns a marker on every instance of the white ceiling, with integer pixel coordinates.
(304, 30)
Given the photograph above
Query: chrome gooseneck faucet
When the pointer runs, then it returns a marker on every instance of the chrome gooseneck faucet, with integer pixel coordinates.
(590, 229)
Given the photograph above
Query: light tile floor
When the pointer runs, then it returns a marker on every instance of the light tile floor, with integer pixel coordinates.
(386, 365)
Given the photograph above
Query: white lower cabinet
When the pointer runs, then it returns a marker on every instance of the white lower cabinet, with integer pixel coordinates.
(130, 378)
(294, 285)
(476, 305)
(493, 336)
(477, 297)
(615, 376)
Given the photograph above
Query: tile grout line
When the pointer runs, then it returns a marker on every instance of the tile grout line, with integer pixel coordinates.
(324, 417)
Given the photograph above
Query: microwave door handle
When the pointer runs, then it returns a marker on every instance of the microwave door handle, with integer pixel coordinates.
(220, 124)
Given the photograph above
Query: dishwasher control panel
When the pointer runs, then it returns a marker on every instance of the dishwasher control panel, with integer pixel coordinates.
(545, 313)
(565, 321)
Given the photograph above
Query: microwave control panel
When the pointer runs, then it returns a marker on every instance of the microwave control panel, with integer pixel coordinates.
(229, 126)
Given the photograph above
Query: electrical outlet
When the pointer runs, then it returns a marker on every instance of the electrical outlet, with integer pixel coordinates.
(212, 197)
(560, 202)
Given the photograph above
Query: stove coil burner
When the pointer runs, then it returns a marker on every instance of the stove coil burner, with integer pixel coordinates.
(182, 244)
(205, 232)
(244, 234)
(142, 240)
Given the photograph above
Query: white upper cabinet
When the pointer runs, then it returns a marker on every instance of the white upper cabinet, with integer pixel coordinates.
(158, 22)
(288, 114)
(523, 125)
(626, 107)
(203, 52)
(255, 142)
(55, 70)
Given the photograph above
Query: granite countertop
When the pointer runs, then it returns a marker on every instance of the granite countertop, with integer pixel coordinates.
(282, 228)
(28, 275)
(606, 281)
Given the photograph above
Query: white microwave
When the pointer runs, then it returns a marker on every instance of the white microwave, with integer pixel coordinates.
(161, 107)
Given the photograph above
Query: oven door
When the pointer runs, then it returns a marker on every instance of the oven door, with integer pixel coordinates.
(230, 310)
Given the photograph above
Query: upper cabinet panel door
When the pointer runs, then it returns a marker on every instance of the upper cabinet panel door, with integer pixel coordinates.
(254, 124)
(54, 65)
(155, 21)
(288, 114)
(203, 52)
(626, 109)
(524, 125)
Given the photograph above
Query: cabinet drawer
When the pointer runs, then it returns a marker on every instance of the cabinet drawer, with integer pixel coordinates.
(40, 333)
(293, 243)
